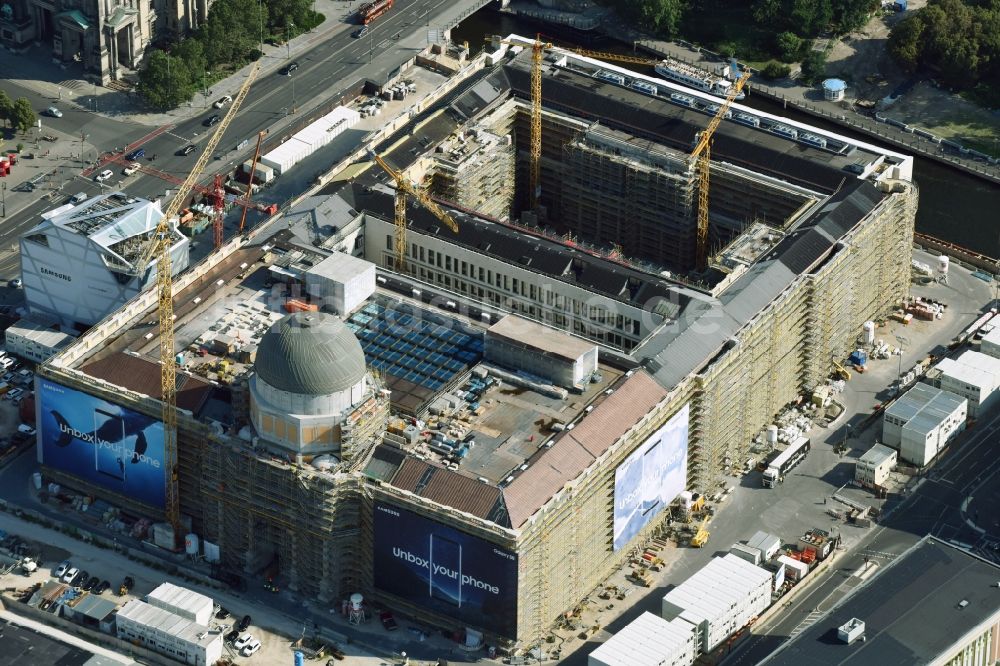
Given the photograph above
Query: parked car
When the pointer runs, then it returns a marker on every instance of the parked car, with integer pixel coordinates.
(136, 154)
(91, 583)
(244, 623)
(104, 175)
(61, 570)
(250, 648)
(212, 120)
(388, 621)
(79, 578)
(53, 112)
(222, 614)
(15, 283)
(288, 69)
(131, 168)
(26, 429)
(103, 587)
(222, 101)
(242, 641)
(186, 150)
(232, 635)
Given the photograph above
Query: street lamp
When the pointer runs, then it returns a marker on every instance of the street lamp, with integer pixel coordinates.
(288, 39)
(3, 197)
(903, 342)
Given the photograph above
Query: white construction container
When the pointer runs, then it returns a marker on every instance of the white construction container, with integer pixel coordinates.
(721, 598)
(767, 544)
(744, 552)
(262, 172)
(649, 641)
(287, 155)
(794, 569)
(182, 601)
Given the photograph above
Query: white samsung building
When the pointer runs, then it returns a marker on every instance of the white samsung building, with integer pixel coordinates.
(79, 263)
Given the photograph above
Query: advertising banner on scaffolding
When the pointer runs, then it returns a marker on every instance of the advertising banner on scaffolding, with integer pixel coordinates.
(445, 570)
(101, 443)
(650, 478)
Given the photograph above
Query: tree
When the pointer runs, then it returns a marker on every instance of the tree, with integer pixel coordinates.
(765, 11)
(906, 43)
(232, 32)
(850, 15)
(6, 106)
(810, 17)
(165, 81)
(23, 116)
(663, 15)
(789, 45)
(814, 66)
(775, 70)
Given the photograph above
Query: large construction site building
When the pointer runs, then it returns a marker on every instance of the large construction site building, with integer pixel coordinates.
(452, 446)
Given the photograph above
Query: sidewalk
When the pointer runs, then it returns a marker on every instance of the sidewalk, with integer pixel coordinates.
(36, 70)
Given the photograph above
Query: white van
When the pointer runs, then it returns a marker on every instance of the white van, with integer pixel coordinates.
(25, 429)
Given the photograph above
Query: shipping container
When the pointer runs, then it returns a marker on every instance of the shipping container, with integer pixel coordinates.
(794, 569)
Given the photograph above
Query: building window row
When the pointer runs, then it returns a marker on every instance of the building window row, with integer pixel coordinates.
(596, 313)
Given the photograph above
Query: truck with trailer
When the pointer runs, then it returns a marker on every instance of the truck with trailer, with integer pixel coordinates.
(786, 461)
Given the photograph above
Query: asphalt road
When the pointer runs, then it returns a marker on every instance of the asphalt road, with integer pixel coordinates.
(935, 507)
(331, 65)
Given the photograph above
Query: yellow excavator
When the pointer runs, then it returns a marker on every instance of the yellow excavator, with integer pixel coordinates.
(701, 537)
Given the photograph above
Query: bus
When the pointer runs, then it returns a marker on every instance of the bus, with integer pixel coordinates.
(785, 462)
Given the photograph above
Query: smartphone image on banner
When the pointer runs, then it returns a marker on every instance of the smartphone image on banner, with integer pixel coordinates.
(650, 472)
(106, 462)
(445, 581)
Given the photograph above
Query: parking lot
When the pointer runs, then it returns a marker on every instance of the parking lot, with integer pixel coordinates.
(275, 631)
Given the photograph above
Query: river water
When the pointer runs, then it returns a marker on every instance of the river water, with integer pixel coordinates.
(954, 206)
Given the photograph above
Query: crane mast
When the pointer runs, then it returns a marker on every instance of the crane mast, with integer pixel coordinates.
(160, 247)
(403, 188)
(702, 155)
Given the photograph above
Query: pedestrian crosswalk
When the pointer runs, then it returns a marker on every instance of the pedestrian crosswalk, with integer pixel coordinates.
(72, 84)
(806, 623)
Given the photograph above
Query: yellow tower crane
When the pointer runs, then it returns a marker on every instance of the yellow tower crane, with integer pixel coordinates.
(701, 153)
(404, 187)
(160, 248)
(538, 48)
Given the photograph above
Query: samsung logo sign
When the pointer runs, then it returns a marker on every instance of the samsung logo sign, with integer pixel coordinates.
(62, 276)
